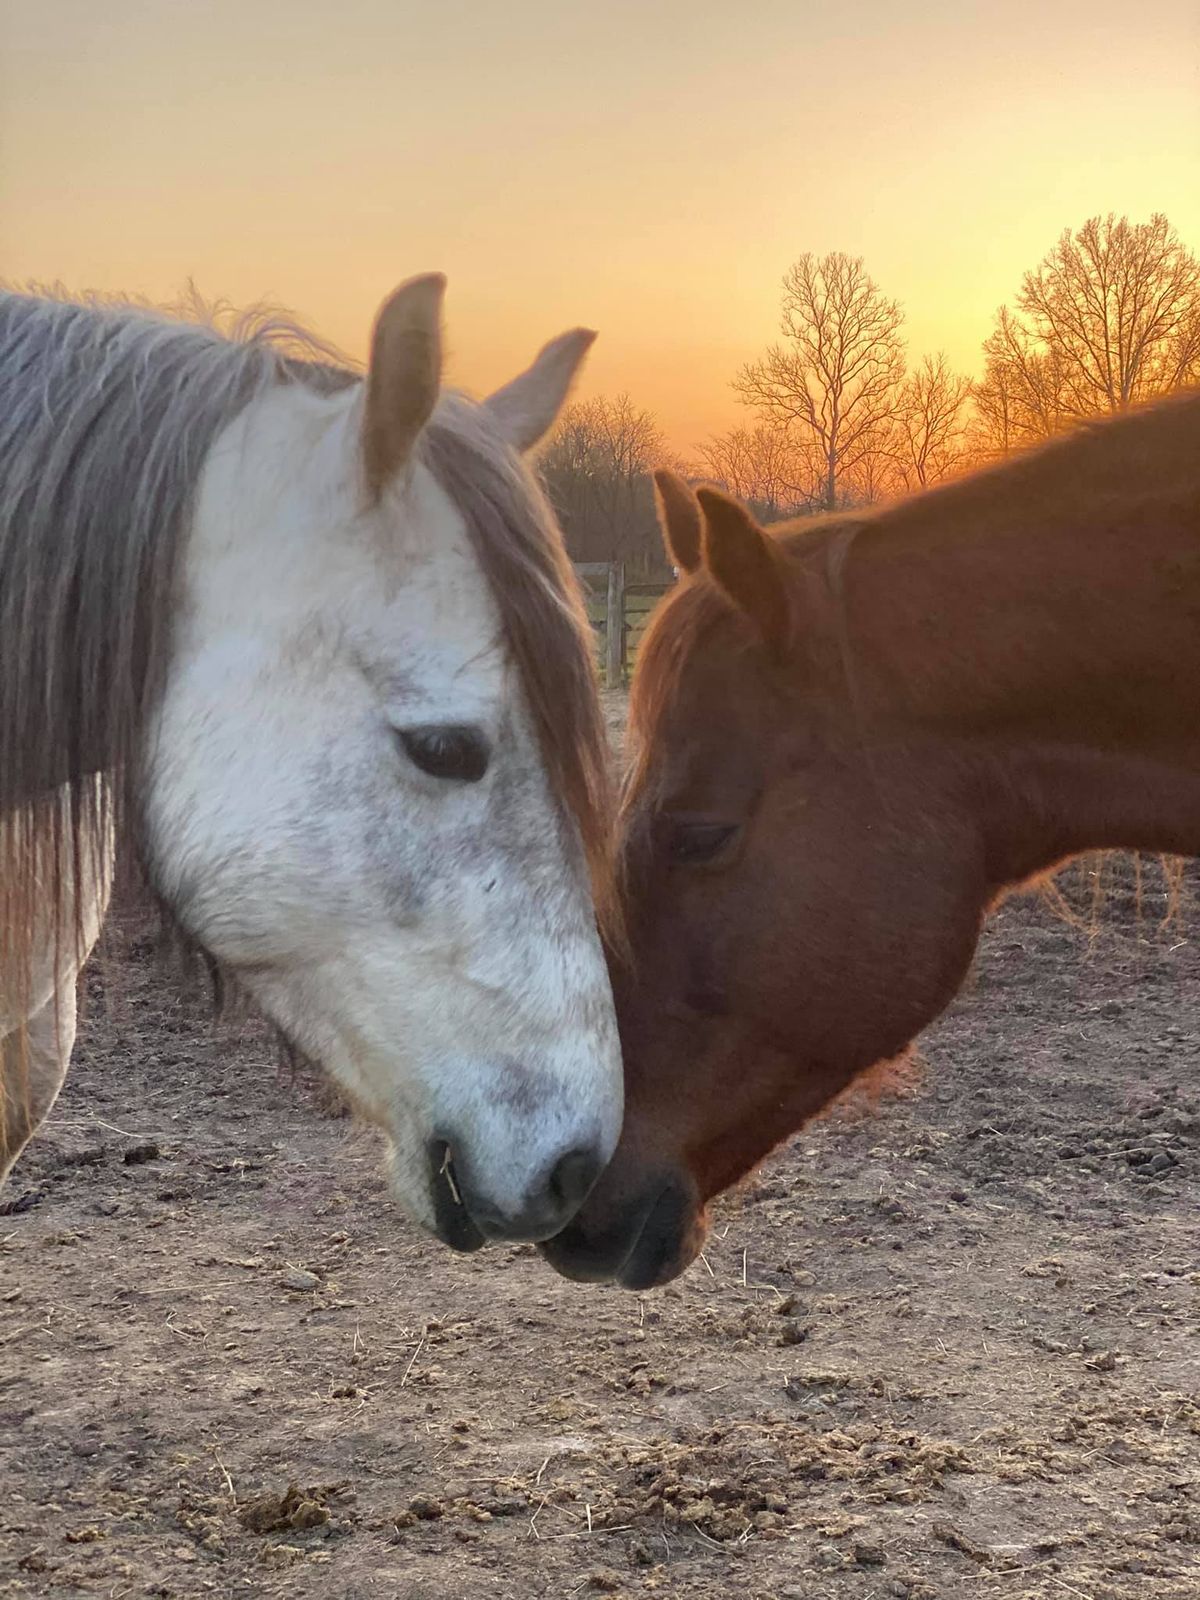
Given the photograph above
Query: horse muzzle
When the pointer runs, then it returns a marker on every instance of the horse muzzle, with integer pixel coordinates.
(466, 1217)
(641, 1245)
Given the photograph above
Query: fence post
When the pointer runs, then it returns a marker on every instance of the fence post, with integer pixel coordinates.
(614, 641)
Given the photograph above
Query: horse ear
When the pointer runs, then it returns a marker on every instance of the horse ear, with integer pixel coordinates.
(679, 518)
(526, 409)
(745, 562)
(403, 378)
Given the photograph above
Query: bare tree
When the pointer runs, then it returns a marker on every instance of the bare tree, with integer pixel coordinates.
(1021, 396)
(929, 436)
(596, 469)
(1120, 304)
(834, 381)
(1111, 316)
(767, 467)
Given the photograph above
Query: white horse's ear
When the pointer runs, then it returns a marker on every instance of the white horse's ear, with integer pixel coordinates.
(525, 409)
(404, 376)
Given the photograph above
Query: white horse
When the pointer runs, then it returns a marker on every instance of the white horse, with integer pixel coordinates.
(313, 645)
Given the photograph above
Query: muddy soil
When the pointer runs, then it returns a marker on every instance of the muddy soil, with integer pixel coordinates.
(950, 1348)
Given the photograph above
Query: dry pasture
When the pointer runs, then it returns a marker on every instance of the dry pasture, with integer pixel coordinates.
(950, 1349)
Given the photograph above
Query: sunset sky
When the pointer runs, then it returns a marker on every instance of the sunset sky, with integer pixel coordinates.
(647, 167)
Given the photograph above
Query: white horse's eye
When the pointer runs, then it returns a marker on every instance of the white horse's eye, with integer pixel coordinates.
(453, 752)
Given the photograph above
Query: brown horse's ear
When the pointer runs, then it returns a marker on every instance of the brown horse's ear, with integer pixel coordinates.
(744, 561)
(679, 518)
(403, 378)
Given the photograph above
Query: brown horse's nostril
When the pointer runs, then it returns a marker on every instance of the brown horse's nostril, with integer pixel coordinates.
(670, 1238)
(641, 1236)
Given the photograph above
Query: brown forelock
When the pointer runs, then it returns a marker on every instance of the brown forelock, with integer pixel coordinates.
(686, 617)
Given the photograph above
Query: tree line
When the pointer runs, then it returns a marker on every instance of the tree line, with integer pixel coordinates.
(836, 416)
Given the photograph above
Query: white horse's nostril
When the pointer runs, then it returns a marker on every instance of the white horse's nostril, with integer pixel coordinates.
(455, 1225)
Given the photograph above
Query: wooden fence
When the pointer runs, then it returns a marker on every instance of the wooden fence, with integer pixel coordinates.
(619, 611)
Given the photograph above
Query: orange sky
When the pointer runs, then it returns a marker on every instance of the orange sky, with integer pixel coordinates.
(647, 167)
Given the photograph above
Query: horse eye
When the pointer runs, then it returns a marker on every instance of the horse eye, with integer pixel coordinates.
(692, 842)
(456, 753)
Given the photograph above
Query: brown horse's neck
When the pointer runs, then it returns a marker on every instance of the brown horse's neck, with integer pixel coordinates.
(1046, 805)
(1040, 624)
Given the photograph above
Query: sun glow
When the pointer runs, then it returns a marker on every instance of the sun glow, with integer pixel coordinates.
(647, 171)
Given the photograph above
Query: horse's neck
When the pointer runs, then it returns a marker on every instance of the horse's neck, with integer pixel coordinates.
(1038, 805)
(1057, 651)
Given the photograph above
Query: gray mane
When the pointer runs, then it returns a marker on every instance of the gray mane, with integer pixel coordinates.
(107, 413)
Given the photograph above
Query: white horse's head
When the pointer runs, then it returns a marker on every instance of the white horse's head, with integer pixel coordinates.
(374, 776)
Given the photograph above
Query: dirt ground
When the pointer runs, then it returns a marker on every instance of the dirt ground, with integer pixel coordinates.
(948, 1349)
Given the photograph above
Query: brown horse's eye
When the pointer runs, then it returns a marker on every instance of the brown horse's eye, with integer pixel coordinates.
(693, 842)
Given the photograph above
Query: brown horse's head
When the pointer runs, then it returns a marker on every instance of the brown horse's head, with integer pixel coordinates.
(804, 884)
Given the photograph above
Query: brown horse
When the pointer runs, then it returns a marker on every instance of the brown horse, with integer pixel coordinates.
(850, 737)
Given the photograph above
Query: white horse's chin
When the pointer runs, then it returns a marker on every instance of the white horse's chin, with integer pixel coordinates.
(498, 1117)
(409, 1178)
(477, 1191)
(478, 1148)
